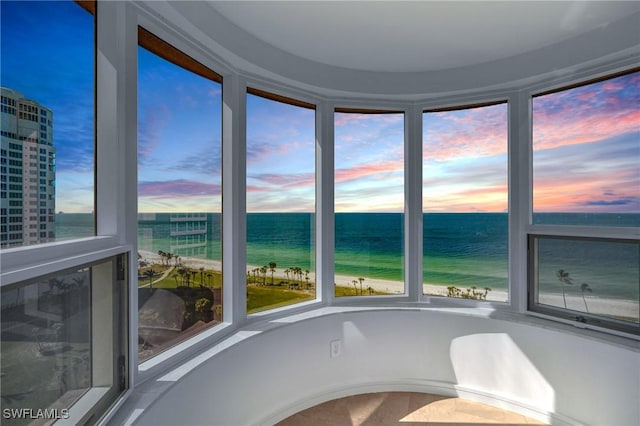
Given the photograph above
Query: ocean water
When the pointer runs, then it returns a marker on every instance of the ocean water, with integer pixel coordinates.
(461, 249)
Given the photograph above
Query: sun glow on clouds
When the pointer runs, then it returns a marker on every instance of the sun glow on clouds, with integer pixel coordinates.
(369, 162)
(465, 160)
(586, 145)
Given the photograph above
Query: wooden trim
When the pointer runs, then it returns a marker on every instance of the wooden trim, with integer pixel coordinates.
(88, 5)
(280, 98)
(468, 106)
(366, 111)
(587, 82)
(166, 51)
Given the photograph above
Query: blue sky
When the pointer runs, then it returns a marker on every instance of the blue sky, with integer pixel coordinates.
(53, 65)
(586, 141)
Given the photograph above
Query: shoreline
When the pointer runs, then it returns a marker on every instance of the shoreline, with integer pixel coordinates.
(618, 307)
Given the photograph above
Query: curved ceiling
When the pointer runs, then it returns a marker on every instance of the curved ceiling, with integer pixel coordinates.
(400, 36)
(398, 50)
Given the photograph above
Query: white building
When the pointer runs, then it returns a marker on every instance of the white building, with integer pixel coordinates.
(28, 171)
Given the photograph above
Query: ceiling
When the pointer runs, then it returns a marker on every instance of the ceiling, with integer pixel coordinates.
(418, 36)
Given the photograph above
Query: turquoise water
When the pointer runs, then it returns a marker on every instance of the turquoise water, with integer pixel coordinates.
(461, 249)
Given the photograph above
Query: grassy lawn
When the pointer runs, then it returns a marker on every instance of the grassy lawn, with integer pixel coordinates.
(350, 291)
(263, 298)
(174, 279)
(259, 298)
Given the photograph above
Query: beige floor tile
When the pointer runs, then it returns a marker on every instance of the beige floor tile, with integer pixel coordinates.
(404, 409)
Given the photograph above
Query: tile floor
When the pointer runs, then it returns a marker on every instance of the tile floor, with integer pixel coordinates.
(404, 409)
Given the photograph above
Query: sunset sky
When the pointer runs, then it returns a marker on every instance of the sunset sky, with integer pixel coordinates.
(586, 140)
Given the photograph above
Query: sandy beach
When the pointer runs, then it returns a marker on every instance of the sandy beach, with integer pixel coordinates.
(624, 308)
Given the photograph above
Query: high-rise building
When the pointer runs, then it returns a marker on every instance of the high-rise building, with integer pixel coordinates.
(27, 171)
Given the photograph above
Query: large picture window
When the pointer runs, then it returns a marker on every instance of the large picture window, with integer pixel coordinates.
(47, 134)
(465, 194)
(179, 196)
(280, 202)
(586, 152)
(369, 203)
(586, 179)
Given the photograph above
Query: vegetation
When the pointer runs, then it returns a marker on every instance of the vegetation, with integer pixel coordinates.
(468, 293)
(585, 287)
(564, 279)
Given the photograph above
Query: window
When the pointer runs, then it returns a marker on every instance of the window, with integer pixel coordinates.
(64, 340)
(179, 196)
(465, 216)
(64, 37)
(586, 156)
(280, 201)
(369, 203)
(589, 280)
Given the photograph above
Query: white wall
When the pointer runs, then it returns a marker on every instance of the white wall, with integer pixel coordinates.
(551, 375)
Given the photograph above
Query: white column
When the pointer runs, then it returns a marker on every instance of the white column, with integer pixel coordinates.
(325, 222)
(234, 201)
(413, 202)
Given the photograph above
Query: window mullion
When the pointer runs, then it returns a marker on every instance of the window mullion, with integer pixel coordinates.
(234, 206)
(520, 187)
(413, 202)
(325, 221)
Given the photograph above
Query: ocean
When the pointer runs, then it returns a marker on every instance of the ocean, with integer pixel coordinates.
(461, 249)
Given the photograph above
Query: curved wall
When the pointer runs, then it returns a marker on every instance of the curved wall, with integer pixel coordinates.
(547, 374)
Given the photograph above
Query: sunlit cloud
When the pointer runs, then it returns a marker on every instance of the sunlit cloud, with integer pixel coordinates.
(587, 114)
(471, 133)
(601, 176)
(378, 171)
(291, 180)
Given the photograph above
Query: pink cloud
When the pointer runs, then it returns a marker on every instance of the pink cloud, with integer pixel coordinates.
(367, 170)
(281, 181)
(554, 130)
(574, 192)
(490, 198)
(480, 132)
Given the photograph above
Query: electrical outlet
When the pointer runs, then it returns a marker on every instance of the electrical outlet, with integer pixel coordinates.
(336, 348)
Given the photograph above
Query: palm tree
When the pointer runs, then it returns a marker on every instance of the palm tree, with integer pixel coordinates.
(272, 268)
(162, 256)
(263, 271)
(149, 273)
(361, 279)
(354, 282)
(486, 290)
(564, 278)
(585, 287)
(306, 277)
